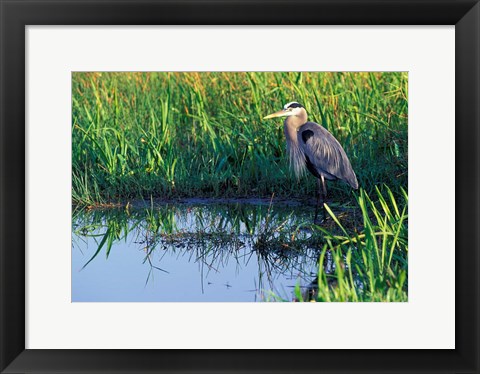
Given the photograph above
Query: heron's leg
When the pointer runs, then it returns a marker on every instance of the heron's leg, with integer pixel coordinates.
(324, 196)
(319, 189)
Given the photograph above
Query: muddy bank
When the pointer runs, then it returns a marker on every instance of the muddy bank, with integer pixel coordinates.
(159, 202)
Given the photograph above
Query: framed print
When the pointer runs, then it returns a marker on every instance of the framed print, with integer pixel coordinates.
(226, 162)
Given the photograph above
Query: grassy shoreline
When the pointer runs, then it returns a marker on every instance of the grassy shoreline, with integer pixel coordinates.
(136, 135)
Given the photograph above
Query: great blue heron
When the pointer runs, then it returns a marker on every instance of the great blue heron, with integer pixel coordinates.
(310, 145)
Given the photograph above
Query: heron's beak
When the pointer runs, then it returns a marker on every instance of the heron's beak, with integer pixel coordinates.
(280, 113)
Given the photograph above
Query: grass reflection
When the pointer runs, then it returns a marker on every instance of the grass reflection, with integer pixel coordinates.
(359, 254)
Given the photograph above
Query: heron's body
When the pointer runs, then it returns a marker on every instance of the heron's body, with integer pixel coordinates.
(312, 147)
(323, 156)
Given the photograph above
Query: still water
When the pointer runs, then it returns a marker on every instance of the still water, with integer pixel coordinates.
(194, 251)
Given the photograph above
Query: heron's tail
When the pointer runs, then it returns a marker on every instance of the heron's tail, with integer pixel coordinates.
(351, 179)
(354, 184)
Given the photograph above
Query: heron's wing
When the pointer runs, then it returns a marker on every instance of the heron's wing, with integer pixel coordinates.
(325, 153)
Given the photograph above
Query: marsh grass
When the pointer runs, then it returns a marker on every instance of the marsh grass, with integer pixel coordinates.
(137, 135)
(371, 264)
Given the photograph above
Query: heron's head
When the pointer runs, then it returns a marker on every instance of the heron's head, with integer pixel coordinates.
(291, 109)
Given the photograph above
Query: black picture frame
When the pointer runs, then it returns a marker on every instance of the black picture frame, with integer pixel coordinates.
(15, 15)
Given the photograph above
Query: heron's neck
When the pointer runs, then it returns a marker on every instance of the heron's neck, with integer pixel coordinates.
(292, 124)
(290, 127)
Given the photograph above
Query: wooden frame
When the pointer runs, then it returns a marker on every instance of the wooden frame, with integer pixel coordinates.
(15, 15)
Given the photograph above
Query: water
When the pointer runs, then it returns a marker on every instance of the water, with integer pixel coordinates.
(195, 251)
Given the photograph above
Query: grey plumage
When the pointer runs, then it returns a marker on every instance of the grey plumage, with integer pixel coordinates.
(312, 147)
(325, 153)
